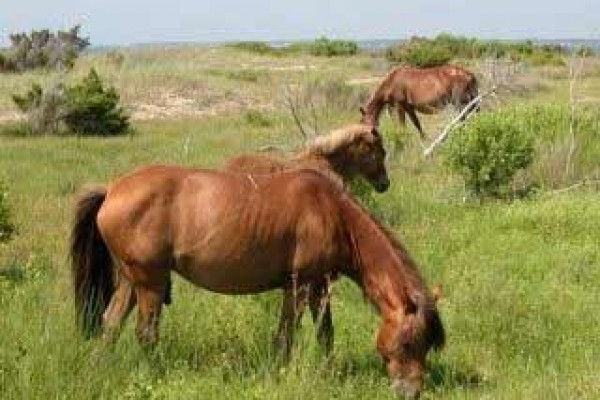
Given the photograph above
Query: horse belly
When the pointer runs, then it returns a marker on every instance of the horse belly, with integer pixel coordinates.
(235, 275)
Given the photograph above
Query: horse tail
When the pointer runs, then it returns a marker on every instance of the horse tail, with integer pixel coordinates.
(91, 264)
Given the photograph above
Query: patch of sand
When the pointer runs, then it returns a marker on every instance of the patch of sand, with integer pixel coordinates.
(10, 116)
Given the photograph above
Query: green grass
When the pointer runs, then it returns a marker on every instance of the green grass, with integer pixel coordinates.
(520, 279)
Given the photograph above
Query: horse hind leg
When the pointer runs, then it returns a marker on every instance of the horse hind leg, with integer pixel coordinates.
(120, 306)
(150, 300)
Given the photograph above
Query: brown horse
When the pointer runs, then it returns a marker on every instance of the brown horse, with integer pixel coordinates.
(234, 235)
(344, 153)
(341, 155)
(426, 90)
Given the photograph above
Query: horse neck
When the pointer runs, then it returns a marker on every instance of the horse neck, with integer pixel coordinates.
(374, 107)
(379, 98)
(381, 265)
(330, 163)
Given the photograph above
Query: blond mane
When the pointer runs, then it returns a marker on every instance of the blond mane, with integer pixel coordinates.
(336, 139)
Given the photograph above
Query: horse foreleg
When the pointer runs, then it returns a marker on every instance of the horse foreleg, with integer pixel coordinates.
(294, 301)
(320, 307)
(121, 304)
(401, 116)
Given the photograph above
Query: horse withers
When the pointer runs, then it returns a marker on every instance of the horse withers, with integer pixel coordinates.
(426, 90)
(234, 235)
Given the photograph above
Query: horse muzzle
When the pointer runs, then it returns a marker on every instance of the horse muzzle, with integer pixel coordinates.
(406, 390)
(381, 185)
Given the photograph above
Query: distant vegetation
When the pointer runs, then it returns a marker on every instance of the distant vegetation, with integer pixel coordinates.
(43, 49)
(426, 52)
(319, 47)
(87, 107)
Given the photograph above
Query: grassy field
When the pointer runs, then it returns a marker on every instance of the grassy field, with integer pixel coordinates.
(520, 278)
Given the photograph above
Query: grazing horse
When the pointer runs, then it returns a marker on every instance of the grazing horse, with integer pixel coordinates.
(344, 153)
(233, 234)
(426, 90)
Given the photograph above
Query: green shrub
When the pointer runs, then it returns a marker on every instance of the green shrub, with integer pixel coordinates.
(262, 48)
(90, 108)
(7, 228)
(84, 108)
(420, 52)
(329, 48)
(319, 47)
(426, 52)
(488, 151)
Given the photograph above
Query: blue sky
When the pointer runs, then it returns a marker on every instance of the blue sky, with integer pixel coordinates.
(138, 21)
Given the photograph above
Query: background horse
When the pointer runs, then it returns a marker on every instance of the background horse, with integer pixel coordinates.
(426, 90)
(340, 156)
(234, 235)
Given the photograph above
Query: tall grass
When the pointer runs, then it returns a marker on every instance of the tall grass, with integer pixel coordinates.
(519, 306)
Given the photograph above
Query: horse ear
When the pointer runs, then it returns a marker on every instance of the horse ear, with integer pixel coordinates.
(410, 326)
(437, 291)
(408, 331)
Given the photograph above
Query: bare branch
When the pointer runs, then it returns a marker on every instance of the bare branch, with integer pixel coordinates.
(465, 114)
(583, 183)
(292, 106)
(313, 111)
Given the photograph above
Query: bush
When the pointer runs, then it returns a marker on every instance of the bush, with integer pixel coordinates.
(426, 52)
(255, 47)
(90, 108)
(550, 125)
(7, 229)
(43, 49)
(329, 48)
(487, 152)
(43, 108)
(319, 47)
(420, 52)
(84, 108)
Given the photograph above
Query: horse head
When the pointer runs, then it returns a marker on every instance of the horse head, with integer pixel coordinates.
(419, 331)
(368, 154)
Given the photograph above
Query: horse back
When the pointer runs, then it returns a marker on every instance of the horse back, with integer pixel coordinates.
(227, 232)
(254, 164)
(430, 86)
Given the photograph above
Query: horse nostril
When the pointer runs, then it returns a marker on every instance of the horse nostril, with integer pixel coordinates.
(383, 185)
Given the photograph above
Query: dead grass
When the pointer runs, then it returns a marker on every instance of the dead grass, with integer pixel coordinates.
(196, 81)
